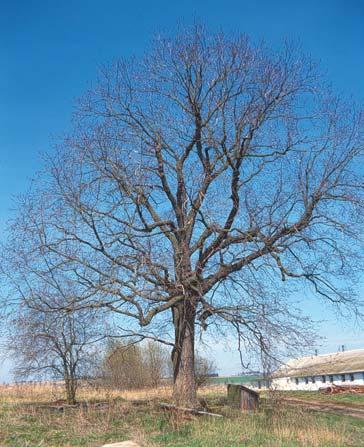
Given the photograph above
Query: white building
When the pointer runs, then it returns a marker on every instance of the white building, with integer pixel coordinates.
(319, 371)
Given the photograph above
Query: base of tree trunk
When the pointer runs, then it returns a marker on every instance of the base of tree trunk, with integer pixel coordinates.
(183, 356)
(185, 399)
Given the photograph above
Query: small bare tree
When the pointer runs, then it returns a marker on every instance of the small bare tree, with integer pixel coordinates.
(123, 367)
(133, 366)
(156, 360)
(204, 367)
(198, 181)
(57, 345)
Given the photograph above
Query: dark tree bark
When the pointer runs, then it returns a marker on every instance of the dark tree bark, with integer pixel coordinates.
(183, 354)
(71, 388)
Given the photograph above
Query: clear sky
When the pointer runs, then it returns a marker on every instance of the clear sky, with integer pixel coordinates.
(51, 50)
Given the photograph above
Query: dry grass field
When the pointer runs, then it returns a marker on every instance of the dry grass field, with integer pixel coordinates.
(32, 416)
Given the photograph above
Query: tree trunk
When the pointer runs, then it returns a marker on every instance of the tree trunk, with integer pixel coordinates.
(70, 385)
(183, 355)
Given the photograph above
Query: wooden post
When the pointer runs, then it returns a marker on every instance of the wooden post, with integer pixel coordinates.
(242, 397)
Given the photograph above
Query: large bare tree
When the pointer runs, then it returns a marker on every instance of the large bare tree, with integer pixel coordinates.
(198, 178)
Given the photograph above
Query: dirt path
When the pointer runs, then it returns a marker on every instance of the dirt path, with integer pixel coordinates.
(341, 409)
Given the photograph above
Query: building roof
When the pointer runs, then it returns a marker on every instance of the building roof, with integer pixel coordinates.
(335, 363)
(242, 387)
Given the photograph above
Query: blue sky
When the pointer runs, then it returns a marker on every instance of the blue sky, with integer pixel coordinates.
(51, 50)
